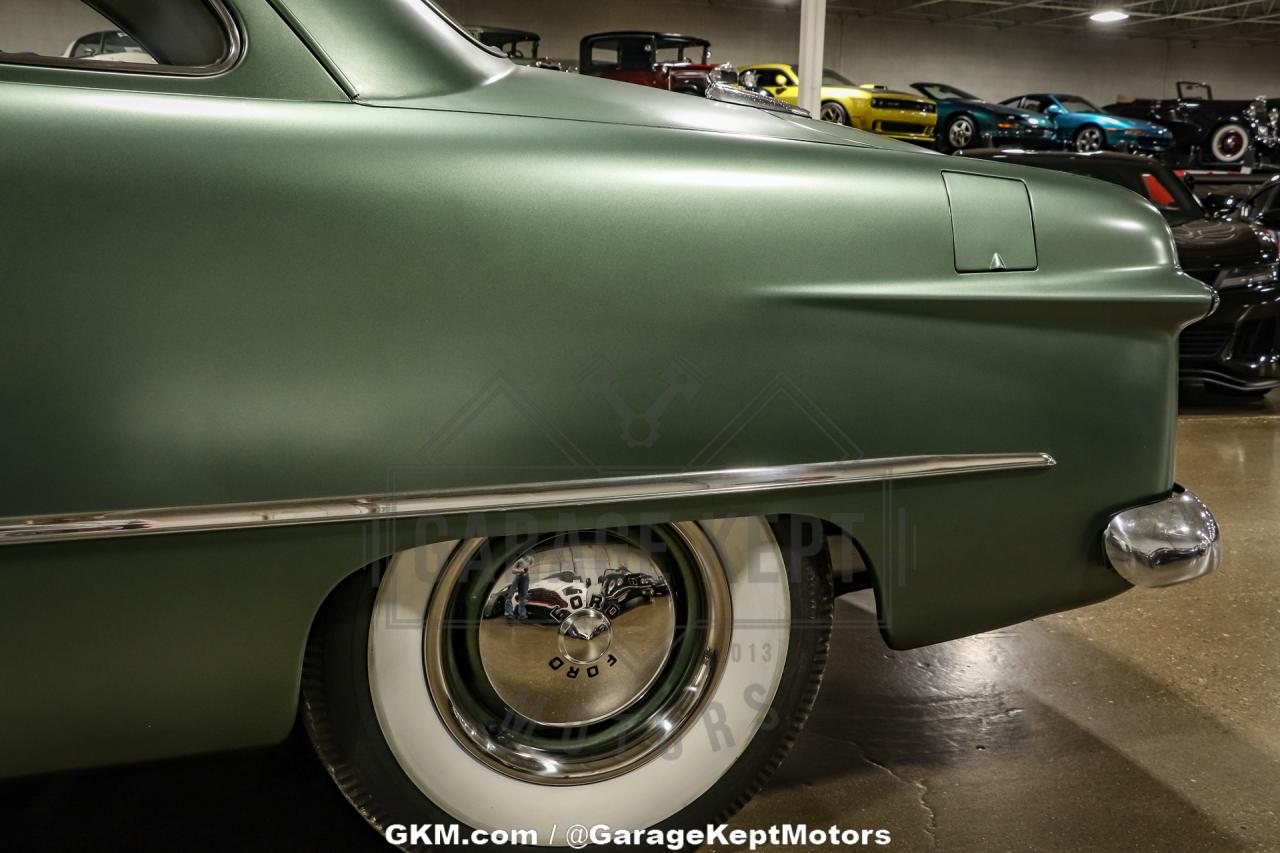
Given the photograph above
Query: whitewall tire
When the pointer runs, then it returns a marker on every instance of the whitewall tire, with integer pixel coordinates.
(698, 690)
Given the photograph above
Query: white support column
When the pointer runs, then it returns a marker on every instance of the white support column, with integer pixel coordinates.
(813, 25)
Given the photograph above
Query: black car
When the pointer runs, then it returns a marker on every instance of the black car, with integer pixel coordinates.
(620, 590)
(1236, 349)
(1207, 131)
(1260, 208)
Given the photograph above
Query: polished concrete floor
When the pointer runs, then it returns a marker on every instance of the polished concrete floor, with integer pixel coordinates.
(1147, 723)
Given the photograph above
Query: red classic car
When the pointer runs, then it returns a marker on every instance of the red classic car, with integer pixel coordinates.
(661, 60)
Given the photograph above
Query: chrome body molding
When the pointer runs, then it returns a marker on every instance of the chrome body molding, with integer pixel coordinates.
(1171, 541)
(725, 93)
(529, 496)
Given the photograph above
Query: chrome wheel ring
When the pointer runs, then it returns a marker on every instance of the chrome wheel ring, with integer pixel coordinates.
(1089, 139)
(960, 133)
(597, 679)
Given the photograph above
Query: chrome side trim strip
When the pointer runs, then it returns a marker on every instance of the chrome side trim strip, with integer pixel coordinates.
(528, 496)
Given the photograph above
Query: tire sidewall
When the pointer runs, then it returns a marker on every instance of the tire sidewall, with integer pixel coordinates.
(1221, 131)
(341, 716)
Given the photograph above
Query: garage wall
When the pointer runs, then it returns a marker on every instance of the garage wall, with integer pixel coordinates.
(47, 27)
(994, 64)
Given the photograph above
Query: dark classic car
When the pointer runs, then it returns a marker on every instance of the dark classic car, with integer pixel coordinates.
(1085, 127)
(521, 46)
(967, 121)
(660, 60)
(272, 460)
(1236, 349)
(1207, 131)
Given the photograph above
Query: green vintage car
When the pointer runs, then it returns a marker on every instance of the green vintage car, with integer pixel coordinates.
(280, 420)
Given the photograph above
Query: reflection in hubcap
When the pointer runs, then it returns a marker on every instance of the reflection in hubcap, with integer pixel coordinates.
(580, 656)
(598, 628)
(585, 636)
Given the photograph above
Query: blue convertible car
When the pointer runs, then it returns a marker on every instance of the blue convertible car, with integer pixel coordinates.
(1085, 127)
(967, 121)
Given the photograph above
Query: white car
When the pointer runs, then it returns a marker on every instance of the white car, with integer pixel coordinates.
(109, 46)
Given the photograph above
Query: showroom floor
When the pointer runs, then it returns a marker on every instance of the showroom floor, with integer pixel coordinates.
(1150, 722)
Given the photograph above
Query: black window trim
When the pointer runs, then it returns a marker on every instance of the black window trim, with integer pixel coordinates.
(235, 49)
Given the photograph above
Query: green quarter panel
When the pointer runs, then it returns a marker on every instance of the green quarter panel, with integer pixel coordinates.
(217, 295)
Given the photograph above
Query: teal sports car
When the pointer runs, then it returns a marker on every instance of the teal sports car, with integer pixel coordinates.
(1085, 127)
(967, 121)
(281, 426)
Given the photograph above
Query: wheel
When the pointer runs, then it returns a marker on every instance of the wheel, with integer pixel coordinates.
(669, 715)
(833, 112)
(1229, 143)
(1090, 138)
(959, 133)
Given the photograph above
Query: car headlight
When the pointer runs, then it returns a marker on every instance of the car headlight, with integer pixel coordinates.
(1248, 276)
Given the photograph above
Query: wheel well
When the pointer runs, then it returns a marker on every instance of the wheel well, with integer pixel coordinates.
(850, 567)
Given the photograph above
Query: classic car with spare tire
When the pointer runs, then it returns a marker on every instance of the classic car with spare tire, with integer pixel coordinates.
(1208, 131)
(274, 458)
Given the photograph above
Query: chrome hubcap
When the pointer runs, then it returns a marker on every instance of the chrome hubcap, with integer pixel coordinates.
(621, 637)
(585, 636)
(594, 636)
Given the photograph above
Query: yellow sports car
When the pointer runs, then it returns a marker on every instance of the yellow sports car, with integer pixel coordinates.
(868, 106)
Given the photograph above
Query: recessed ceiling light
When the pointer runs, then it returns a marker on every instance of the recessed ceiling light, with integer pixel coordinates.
(1108, 16)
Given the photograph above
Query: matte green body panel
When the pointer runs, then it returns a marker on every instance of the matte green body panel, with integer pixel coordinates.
(238, 299)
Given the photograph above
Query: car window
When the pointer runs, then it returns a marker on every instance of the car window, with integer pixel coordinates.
(835, 78)
(130, 34)
(675, 52)
(1035, 104)
(1074, 104)
(940, 92)
(604, 54)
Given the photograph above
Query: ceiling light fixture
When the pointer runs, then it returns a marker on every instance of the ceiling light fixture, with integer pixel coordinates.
(1108, 16)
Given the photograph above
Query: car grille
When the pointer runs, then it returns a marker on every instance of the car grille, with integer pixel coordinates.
(1202, 343)
(902, 104)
